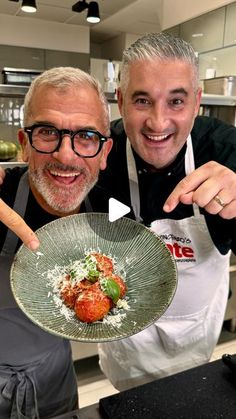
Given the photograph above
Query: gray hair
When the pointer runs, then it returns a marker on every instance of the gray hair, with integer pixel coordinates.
(62, 78)
(163, 46)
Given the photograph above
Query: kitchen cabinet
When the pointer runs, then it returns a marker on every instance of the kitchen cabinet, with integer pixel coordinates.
(40, 59)
(175, 31)
(230, 28)
(64, 58)
(21, 57)
(213, 36)
(205, 32)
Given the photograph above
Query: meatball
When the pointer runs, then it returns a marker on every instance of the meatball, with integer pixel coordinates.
(92, 305)
(104, 264)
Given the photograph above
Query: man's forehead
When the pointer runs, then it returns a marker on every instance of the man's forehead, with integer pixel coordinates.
(64, 89)
(178, 73)
(50, 96)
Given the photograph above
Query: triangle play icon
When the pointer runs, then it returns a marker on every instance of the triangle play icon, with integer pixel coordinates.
(117, 209)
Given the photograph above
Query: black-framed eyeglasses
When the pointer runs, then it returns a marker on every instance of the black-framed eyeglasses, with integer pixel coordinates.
(47, 139)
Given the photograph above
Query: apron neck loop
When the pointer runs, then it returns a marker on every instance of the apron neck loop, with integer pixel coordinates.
(133, 176)
(88, 206)
(190, 167)
(133, 182)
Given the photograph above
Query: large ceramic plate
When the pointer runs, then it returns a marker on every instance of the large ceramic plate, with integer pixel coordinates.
(149, 267)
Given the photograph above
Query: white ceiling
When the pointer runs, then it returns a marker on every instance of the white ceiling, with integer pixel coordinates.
(117, 16)
(132, 16)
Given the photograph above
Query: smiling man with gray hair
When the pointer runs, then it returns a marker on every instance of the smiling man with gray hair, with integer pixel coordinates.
(177, 171)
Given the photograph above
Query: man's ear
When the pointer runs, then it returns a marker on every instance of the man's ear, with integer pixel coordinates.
(105, 151)
(120, 100)
(24, 142)
(198, 101)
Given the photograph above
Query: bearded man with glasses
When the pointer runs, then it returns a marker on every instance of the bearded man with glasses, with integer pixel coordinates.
(65, 142)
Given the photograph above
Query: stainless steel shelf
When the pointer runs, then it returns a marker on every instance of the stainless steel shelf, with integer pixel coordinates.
(218, 100)
(8, 90)
(11, 164)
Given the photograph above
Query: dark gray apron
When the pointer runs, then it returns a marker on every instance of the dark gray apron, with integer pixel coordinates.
(32, 361)
(9, 247)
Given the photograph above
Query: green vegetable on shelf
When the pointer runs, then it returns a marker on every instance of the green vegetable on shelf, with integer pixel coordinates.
(8, 150)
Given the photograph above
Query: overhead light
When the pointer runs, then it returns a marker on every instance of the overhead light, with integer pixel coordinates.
(29, 6)
(80, 6)
(93, 12)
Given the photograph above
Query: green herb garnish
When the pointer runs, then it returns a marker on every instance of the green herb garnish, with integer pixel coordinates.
(110, 288)
(93, 275)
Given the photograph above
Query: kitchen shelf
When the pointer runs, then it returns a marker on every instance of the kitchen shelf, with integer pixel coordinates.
(218, 100)
(9, 90)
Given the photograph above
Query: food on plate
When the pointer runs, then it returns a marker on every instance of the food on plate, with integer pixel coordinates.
(91, 287)
(92, 304)
(104, 264)
(121, 284)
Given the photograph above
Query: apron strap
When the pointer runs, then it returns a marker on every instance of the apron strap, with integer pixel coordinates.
(133, 182)
(21, 389)
(88, 205)
(190, 167)
(20, 204)
(133, 176)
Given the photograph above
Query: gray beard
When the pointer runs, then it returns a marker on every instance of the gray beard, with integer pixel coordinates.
(62, 200)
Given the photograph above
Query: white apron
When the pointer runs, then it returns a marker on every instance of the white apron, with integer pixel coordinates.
(185, 336)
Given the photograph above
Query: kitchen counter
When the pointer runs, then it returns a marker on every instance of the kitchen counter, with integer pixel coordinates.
(208, 391)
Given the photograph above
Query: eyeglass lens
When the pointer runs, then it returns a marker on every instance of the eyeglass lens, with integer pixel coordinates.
(46, 139)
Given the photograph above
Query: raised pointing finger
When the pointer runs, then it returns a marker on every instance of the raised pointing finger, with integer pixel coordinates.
(15, 223)
(191, 182)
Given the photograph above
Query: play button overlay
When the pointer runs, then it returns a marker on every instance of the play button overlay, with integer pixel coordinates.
(117, 209)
